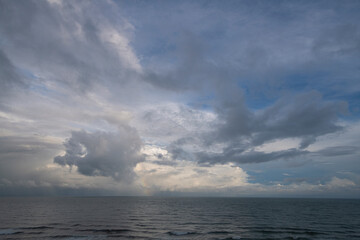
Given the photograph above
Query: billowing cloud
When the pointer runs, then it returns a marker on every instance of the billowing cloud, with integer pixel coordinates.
(103, 154)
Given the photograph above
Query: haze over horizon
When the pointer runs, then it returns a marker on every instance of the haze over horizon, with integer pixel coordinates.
(180, 98)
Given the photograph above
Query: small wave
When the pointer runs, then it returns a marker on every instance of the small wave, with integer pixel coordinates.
(232, 238)
(35, 233)
(62, 236)
(219, 232)
(9, 231)
(296, 238)
(54, 224)
(79, 238)
(38, 227)
(125, 237)
(108, 231)
(71, 237)
(180, 233)
(290, 231)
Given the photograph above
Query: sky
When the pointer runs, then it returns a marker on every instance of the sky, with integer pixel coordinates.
(180, 98)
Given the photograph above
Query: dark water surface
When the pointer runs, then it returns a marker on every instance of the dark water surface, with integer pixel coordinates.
(178, 218)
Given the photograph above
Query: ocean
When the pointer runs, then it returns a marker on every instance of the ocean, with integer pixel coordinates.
(178, 218)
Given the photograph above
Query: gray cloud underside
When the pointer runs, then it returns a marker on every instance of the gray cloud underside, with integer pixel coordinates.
(239, 156)
(248, 157)
(305, 116)
(338, 151)
(103, 154)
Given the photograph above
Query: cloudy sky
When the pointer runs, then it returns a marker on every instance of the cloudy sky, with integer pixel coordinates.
(180, 98)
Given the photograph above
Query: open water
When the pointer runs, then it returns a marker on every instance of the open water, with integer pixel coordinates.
(178, 218)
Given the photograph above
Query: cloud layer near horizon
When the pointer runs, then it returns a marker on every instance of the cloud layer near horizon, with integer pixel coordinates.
(117, 98)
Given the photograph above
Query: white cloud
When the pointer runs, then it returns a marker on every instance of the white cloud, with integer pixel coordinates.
(122, 45)
(278, 145)
(340, 183)
(189, 177)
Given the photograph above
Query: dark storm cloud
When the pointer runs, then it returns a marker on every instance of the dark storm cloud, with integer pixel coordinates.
(103, 154)
(238, 156)
(236, 118)
(305, 116)
(338, 151)
(26, 169)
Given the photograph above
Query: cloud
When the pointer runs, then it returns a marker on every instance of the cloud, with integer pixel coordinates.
(21, 156)
(9, 77)
(337, 41)
(338, 151)
(185, 176)
(53, 179)
(249, 83)
(239, 156)
(172, 121)
(340, 183)
(306, 116)
(66, 44)
(334, 187)
(188, 177)
(103, 154)
(191, 71)
(239, 130)
(23, 145)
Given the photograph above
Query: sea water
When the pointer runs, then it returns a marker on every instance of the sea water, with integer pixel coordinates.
(178, 218)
